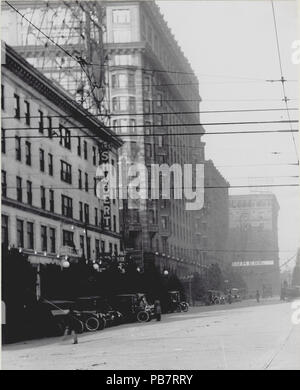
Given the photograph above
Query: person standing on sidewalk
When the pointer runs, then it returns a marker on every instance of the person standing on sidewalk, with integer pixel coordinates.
(71, 329)
(157, 309)
(257, 296)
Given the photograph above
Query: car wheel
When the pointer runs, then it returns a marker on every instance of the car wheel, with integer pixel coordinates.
(143, 316)
(92, 324)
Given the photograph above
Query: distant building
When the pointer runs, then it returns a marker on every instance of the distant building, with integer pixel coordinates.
(50, 207)
(212, 223)
(253, 241)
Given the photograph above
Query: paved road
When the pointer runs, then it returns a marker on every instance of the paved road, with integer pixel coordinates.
(240, 336)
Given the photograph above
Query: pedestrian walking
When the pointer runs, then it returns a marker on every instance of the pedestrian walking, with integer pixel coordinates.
(257, 295)
(71, 328)
(157, 309)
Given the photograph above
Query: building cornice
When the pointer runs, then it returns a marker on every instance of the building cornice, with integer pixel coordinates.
(26, 72)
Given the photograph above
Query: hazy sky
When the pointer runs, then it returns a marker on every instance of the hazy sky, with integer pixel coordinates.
(231, 46)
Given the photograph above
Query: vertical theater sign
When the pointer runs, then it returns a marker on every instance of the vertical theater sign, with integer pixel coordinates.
(104, 176)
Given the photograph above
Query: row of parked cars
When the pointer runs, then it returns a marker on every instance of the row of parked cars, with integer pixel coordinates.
(96, 313)
(216, 297)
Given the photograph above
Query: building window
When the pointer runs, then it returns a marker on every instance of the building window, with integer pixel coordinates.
(80, 211)
(19, 189)
(30, 237)
(29, 192)
(2, 97)
(79, 179)
(66, 206)
(115, 223)
(52, 236)
(132, 126)
(17, 106)
(122, 103)
(88, 247)
(147, 106)
(148, 127)
(115, 105)
(50, 164)
(68, 238)
(27, 112)
(3, 183)
(65, 137)
(94, 155)
(51, 200)
(44, 238)
(147, 83)
(4, 230)
(96, 216)
(66, 172)
(132, 104)
(159, 119)
(95, 186)
(42, 160)
(102, 246)
(110, 248)
(159, 100)
(87, 213)
(28, 153)
(123, 59)
(79, 146)
(50, 134)
(121, 16)
(85, 151)
(81, 243)
(164, 223)
(41, 122)
(86, 183)
(116, 249)
(3, 141)
(20, 233)
(43, 197)
(160, 141)
(121, 36)
(18, 149)
(148, 150)
(97, 248)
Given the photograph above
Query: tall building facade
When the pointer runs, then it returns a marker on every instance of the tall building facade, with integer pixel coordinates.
(152, 97)
(253, 241)
(212, 222)
(50, 205)
(152, 86)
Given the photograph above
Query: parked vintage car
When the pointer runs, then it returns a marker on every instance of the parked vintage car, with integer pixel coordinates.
(235, 295)
(57, 317)
(96, 313)
(134, 307)
(174, 303)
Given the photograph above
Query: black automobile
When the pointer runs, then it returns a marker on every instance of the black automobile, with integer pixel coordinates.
(96, 313)
(174, 303)
(55, 316)
(134, 307)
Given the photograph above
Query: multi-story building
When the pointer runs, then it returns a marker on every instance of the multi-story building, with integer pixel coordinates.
(153, 98)
(212, 222)
(152, 87)
(253, 240)
(51, 149)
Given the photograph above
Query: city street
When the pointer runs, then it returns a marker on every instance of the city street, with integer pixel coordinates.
(243, 335)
